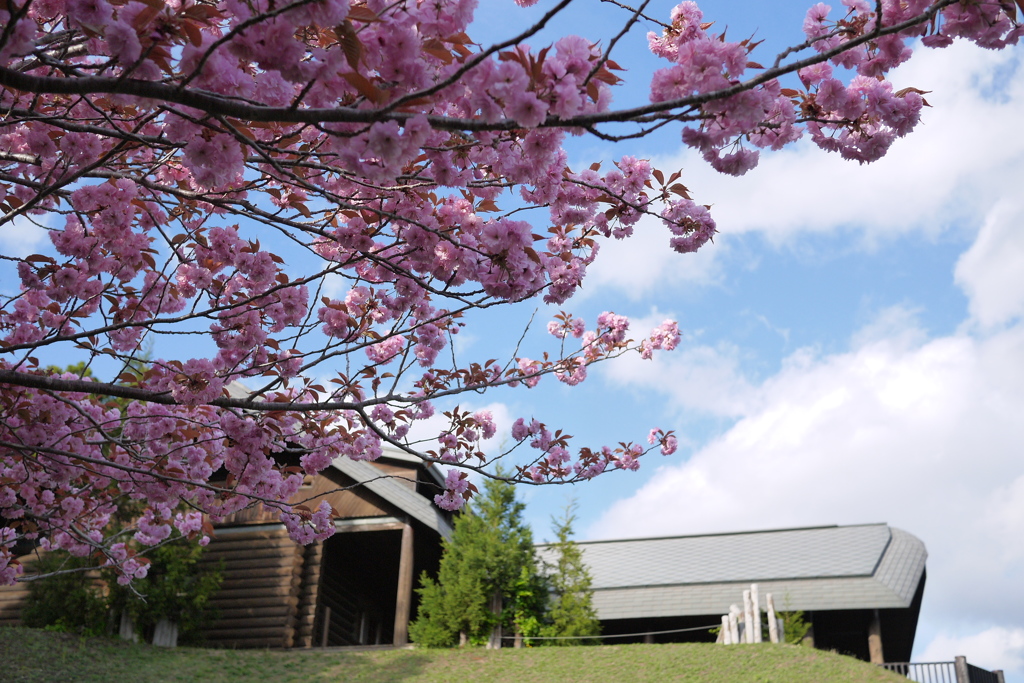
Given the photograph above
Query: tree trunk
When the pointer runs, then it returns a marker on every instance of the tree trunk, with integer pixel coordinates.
(494, 642)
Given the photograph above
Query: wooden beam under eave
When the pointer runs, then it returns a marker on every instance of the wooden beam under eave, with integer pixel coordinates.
(403, 601)
(875, 651)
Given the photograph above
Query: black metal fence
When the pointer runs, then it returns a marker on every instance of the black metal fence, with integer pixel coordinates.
(958, 671)
(978, 675)
(927, 672)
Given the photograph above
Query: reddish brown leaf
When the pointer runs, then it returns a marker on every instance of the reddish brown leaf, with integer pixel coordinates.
(349, 42)
(681, 191)
(364, 86)
(606, 76)
(442, 53)
(903, 92)
(146, 16)
(192, 32)
(538, 65)
(362, 13)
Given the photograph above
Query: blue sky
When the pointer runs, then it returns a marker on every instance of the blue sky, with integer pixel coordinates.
(854, 349)
(853, 340)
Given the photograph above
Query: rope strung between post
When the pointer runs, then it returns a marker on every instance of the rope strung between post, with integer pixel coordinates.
(623, 635)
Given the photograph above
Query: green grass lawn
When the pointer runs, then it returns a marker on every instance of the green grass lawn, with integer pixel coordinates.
(28, 656)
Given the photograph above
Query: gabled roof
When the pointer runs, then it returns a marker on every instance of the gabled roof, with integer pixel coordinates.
(391, 453)
(817, 568)
(405, 499)
(402, 497)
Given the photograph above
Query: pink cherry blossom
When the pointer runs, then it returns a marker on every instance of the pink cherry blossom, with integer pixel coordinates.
(299, 206)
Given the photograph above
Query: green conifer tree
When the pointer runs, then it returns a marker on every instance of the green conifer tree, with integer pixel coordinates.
(571, 611)
(488, 581)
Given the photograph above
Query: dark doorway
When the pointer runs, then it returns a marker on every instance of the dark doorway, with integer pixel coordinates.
(358, 584)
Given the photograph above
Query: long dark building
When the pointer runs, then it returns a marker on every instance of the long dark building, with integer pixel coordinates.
(850, 581)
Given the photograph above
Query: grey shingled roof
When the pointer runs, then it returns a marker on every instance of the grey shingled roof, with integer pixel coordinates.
(392, 453)
(819, 568)
(402, 497)
(407, 501)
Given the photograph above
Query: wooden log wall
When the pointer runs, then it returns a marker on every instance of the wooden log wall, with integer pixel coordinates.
(268, 593)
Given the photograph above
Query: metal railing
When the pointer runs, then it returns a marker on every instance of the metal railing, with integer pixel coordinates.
(957, 671)
(925, 672)
(978, 675)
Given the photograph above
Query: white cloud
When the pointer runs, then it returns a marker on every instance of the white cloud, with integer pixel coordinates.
(922, 434)
(966, 152)
(965, 156)
(993, 648)
(644, 262)
(22, 237)
(991, 272)
(695, 378)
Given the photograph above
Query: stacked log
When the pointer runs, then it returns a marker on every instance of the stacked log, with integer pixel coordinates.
(264, 579)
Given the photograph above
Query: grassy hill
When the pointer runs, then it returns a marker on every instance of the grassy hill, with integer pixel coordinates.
(30, 656)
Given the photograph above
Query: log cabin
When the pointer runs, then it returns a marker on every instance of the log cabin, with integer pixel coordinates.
(355, 588)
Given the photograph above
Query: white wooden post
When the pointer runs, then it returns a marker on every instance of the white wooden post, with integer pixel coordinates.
(725, 636)
(963, 674)
(756, 604)
(165, 634)
(748, 618)
(773, 625)
(734, 626)
(127, 630)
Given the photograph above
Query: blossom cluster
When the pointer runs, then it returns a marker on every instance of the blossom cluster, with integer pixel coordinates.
(554, 462)
(324, 189)
(859, 119)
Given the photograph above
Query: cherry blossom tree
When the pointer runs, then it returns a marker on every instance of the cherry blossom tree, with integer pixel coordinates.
(271, 192)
